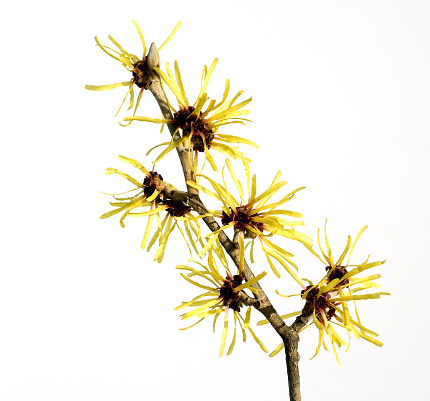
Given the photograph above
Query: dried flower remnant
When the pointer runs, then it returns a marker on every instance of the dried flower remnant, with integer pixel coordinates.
(337, 272)
(150, 195)
(176, 208)
(328, 299)
(200, 122)
(255, 217)
(137, 66)
(221, 295)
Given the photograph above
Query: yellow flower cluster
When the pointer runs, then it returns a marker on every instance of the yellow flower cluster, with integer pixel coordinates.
(221, 295)
(328, 299)
(149, 194)
(200, 121)
(256, 216)
(132, 63)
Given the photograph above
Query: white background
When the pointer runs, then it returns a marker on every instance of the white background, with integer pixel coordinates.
(340, 104)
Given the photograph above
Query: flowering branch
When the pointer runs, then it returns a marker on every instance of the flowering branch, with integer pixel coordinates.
(262, 303)
(199, 123)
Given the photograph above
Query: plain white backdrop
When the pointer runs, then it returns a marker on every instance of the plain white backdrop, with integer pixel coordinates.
(340, 104)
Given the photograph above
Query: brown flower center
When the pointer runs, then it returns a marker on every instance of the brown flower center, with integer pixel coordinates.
(195, 124)
(320, 304)
(140, 73)
(337, 272)
(229, 297)
(176, 208)
(241, 218)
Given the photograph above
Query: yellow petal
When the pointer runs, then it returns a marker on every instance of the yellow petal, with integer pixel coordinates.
(250, 282)
(140, 36)
(230, 349)
(235, 180)
(134, 163)
(169, 148)
(330, 256)
(345, 307)
(320, 338)
(272, 266)
(147, 119)
(354, 281)
(286, 267)
(113, 212)
(231, 111)
(276, 351)
(283, 253)
(200, 308)
(357, 297)
(247, 317)
(283, 212)
(224, 333)
(175, 29)
(329, 286)
(161, 249)
(251, 252)
(225, 196)
(342, 256)
(208, 245)
(321, 249)
(224, 96)
(119, 47)
(111, 170)
(198, 273)
(227, 150)
(208, 76)
(286, 296)
(205, 287)
(149, 213)
(107, 87)
(371, 340)
(208, 156)
(147, 230)
(189, 327)
(241, 255)
(179, 80)
(355, 241)
(103, 48)
(125, 97)
(237, 139)
(258, 341)
(185, 304)
(253, 190)
(172, 86)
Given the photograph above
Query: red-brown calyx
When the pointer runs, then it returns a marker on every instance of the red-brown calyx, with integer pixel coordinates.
(195, 124)
(241, 218)
(227, 293)
(320, 304)
(140, 73)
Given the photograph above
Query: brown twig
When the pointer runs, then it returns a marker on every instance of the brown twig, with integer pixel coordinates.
(248, 301)
(261, 302)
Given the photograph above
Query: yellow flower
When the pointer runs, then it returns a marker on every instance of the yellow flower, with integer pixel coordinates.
(132, 63)
(255, 216)
(150, 195)
(328, 299)
(220, 295)
(200, 122)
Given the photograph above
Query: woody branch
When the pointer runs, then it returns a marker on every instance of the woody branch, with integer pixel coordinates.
(289, 334)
